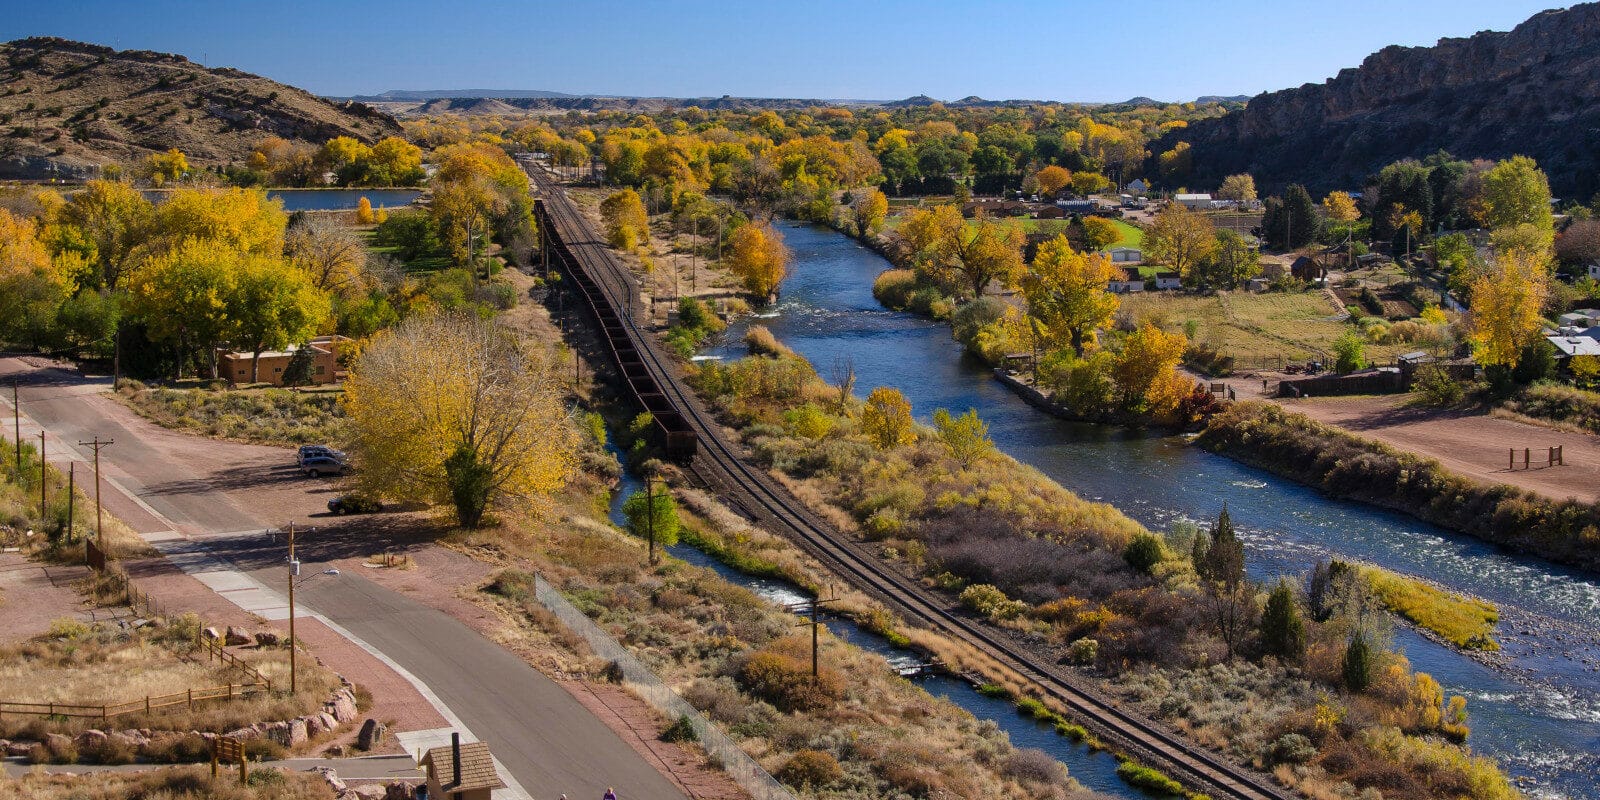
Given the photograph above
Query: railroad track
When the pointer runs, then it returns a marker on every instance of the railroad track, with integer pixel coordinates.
(719, 467)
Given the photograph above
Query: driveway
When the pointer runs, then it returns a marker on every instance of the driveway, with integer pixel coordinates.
(209, 503)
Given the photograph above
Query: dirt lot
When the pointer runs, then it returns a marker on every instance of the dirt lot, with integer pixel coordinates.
(1471, 443)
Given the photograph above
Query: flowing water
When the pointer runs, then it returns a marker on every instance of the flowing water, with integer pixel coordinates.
(1537, 709)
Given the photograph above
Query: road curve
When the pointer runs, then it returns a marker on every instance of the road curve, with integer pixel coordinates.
(721, 468)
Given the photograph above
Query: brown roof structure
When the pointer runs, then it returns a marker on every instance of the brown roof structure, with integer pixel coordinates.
(477, 770)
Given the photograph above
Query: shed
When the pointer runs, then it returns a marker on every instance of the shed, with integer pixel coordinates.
(461, 771)
(1193, 202)
(1126, 255)
(1169, 280)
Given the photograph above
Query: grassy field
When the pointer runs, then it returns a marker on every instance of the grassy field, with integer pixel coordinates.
(1132, 235)
(430, 263)
(1464, 621)
(1251, 327)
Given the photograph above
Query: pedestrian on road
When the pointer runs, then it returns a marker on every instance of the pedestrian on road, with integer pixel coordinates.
(609, 795)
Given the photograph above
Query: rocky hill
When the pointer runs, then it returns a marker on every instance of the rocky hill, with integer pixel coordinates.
(1533, 91)
(67, 108)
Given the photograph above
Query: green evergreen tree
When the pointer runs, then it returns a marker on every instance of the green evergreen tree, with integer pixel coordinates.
(1283, 633)
(1224, 557)
(1143, 553)
(298, 371)
(1357, 664)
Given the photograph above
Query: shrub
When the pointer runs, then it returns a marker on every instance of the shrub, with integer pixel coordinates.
(1083, 651)
(991, 602)
(68, 629)
(1143, 553)
(680, 731)
(893, 288)
(787, 684)
(1292, 748)
(1435, 387)
(1145, 777)
(1033, 765)
(810, 768)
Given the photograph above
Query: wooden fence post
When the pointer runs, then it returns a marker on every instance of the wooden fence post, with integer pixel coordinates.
(147, 706)
(213, 756)
(1511, 458)
(191, 699)
(1525, 456)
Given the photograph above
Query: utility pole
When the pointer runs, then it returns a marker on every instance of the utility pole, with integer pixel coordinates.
(72, 497)
(99, 517)
(16, 415)
(650, 515)
(294, 569)
(816, 604)
(43, 484)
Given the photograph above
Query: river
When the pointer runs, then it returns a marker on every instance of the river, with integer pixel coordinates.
(1537, 710)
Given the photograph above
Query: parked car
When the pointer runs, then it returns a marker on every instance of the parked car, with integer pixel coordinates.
(314, 450)
(354, 503)
(318, 466)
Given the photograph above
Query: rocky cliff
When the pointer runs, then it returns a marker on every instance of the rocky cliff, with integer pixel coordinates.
(1534, 90)
(67, 108)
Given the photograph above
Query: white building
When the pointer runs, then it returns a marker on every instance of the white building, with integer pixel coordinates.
(1193, 202)
(1126, 255)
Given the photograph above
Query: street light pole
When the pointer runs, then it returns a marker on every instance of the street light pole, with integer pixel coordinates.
(293, 675)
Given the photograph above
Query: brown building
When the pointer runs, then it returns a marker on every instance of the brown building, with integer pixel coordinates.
(459, 771)
(325, 367)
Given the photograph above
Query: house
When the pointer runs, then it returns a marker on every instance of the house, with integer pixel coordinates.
(1128, 283)
(237, 367)
(1308, 269)
(1126, 255)
(1050, 212)
(459, 771)
(1137, 187)
(1593, 271)
(1581, 318)
(996, 208)
(1193, 202)
(1168, 280)
(1575, 342)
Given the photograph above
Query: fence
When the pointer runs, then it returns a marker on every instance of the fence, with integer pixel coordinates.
(638, 678)
(106, 712)
(140, 601)
(216, 651)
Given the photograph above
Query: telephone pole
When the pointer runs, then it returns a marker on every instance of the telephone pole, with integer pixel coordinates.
(16, 417)
(44, 510)
(294, 569)
(650, 515)
(816, 626)
(99, 517)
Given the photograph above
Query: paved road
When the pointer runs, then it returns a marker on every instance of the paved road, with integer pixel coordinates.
(212, 491)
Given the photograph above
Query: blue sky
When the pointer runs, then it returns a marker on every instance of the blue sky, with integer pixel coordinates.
(1091, 50)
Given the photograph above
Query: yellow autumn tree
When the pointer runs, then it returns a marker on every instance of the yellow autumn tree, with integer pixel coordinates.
(1053, 179)
(364, 215)
(163, 168)
(1180, 238)
(627, 224)
(1100, 233)
(869, 212)
(458, 410)
(1506, 303)
(1146, 373)
(1066, 291)
(183, 296)
(272, 305)
(758, 256)
(243, 219)
(886, 419)
(32, 285)
(961, 253)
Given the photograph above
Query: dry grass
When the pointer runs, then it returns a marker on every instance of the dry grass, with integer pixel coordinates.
(1292, 325)
(19, 513)
(104, 665)
(1463, 621)
(174, 783)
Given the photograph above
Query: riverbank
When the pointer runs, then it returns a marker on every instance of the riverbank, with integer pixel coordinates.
(1348, 466)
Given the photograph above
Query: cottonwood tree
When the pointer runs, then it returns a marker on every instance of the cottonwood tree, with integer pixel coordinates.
(956, 253)
(1099, 233)
(183, 296)
(1239, 188)
(1180, 238)
(1516, 192)
(627, 224)
(886, 419)
(967, 436)
(1506, 306)
(331, 255)
(1053, 179)
(271, 305)
(1145, 372)
(1066, 291)
(458, 410)
(115, 218)
(869, 211)
(758, 256)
